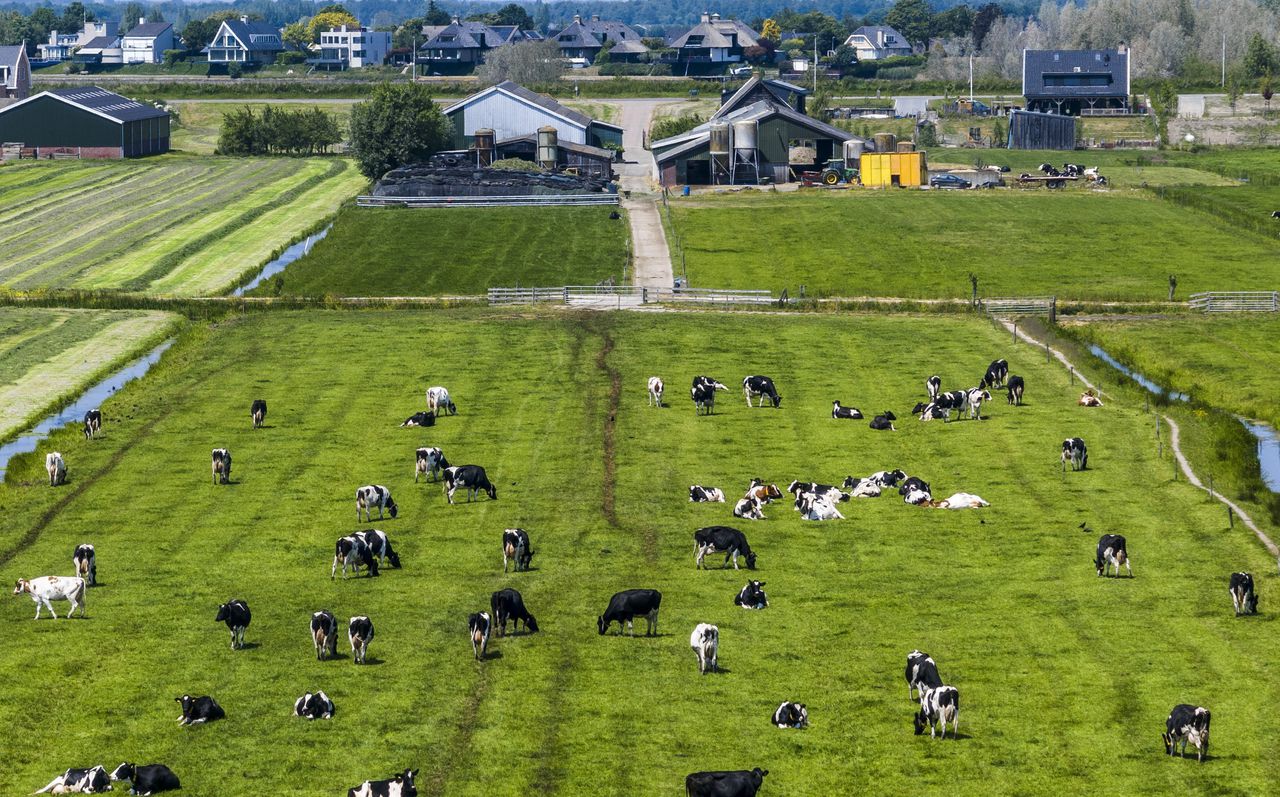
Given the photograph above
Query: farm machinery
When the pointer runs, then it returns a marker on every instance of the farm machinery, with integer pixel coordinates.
(835, 172)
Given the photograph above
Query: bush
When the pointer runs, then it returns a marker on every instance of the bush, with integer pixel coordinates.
(669, 126)
(75, 68)
(235, 70)
(289, 57)
(172, 57)
(635, 70)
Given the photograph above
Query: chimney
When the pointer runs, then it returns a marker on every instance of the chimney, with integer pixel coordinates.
(1122, 48)
(595, 17)
(456, 19)
(715, 17)
(706, 16)
(244, 18)
(142, 20)
(577, 18)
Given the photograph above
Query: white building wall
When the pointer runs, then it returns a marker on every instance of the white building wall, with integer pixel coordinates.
(509, 117)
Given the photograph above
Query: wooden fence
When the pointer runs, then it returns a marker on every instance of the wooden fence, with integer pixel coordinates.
(1005, 306)
(1236, 301)
(533, 200)
(618, 296)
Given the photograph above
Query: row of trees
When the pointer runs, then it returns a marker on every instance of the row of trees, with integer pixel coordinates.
(276, 131)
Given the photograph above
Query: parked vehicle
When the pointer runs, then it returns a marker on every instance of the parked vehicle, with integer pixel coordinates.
(949, 181)
(835, 172)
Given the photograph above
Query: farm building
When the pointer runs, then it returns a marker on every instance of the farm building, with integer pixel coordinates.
(86, 122)
(1029, 130)
(512, 111)
(758, 88)
(1076, 82)
(15, 73)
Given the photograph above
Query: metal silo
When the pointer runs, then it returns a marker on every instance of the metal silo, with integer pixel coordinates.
(746, 157)
(547, 145)
(719, 150)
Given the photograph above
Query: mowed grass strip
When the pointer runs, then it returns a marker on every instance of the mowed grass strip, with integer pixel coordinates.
(1075, 245)
(1062, 675)
(432, 252)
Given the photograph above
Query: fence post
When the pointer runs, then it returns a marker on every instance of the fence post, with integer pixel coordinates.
(1015, 332)
(1046, 354)
(1210, 486)
(566, 294)
(1231, 518)
(1053, 310)
(1072, 371)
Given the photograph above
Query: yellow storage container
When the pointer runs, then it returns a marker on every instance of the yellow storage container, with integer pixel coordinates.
(888, 169)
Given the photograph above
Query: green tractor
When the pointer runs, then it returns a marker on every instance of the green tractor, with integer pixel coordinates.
(835, 172)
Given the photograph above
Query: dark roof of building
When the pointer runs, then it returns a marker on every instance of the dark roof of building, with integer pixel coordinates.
(107, 103)
(9, 55)
(255, 35)
(700, 136)
(533, 97)
(467, 36)
(594, 32)
(149, 30)
(1037, 64)
(716, 32)
(101, 43)
(870, 32)
(778, 89)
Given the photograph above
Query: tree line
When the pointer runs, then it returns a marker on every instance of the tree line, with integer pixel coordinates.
(278, 131)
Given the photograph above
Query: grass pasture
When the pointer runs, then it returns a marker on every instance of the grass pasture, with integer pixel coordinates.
(169, 225)
(1063, 675)
(201, 120)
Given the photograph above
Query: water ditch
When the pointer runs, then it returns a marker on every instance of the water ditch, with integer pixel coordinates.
(286, 257)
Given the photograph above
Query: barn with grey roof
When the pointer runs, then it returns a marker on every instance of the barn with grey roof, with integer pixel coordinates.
(85, 122)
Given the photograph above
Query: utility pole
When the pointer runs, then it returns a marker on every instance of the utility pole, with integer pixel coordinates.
(815, 65)
(1224, 59)
(971, 80)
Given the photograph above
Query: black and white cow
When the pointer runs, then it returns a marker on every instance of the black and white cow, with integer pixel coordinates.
(934, 385)
(629, 604)
(705, 641)
(861, 488)
(258, 412)
(516, 549)
(93, 780)
(760, 387)
(752, 596)
(420, 419)
(655, 391)
(1112, 553)
(932, 411)
(1187, 724)
(848, 413)
(913, 484)
(359, 634)
(146, 779)
(827, 491)
(352, 551)
(886, 479)
(884, 422)
(922, 674)
(723, 539)
(996, 373)
(1243, 598)
(478, 626)
(56, 467)
(508, 605)
(221, 466)
(1075, 452)
(372, 495)
(439, 402)
(235, 613)
(974, 399)
(324, 633)
(702, 495)
(314, 706)
(196, 710)
(703, 392)
(735, 783)
(92, 423)
(86, 563)
(429, 460)
(400, 785)
(938, 706)
(749, 508)
(1016, 386)
(791, 715)
(815, 507)
(472, 478)
(380, 546)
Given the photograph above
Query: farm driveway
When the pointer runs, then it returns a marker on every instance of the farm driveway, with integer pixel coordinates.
(652, 258)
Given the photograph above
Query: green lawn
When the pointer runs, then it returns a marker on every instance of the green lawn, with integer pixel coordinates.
(1077, 244)
(448, 251)
(172, 225)
(1066, 678)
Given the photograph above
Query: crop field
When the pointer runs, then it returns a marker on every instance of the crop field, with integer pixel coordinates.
(1065, 678)
(453, 251)
(169, 225)
(49, 355)
(1116, 245)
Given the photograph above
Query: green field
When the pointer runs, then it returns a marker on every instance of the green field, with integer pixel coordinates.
(454, 251)
(1117, 245)
(200, 121)
(170, 225)
(1065, 678)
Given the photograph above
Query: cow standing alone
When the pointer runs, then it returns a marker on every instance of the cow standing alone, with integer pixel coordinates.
(86, 563)
(258, 412)
(235, 613)
(221, 466)
(629, 604)
(1187, 724)
(761, 387)
(324, 633)
(360, 634)
(56, 467)
(92, 423)
(705, 641)
(478, 626)
(1243, 598)
(45, 589)
(472, 478)
(507, 605)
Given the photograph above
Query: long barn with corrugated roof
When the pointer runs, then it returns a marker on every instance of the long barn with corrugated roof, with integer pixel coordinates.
(85, 122)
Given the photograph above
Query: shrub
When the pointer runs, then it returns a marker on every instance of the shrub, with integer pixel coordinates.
(172, 57)
(635, 70)
(291, 57)
(669, 126)
(235, 70)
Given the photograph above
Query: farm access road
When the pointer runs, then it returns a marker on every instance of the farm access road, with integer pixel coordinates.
(651, 256)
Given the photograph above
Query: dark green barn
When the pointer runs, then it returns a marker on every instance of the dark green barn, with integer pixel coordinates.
(85, 121)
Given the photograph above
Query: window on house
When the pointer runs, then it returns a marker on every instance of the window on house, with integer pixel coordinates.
(693, 41)
(1078, 80)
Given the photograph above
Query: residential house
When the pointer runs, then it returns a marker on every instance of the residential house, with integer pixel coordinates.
(239, 41)
(586, 39)
(15, 73)
(146, 43)
(459, 47)
(61, 46)
(1076, 82)
(512, 111)
(352, 48)
(84, 121)
(710, 46)
(874, 42)
(99, 51)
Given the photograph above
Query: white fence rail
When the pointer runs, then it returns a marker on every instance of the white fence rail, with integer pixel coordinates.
(1236, 301)
(1021, 305)
(533, 200)
(610, 296)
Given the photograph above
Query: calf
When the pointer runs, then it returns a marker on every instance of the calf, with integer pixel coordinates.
(1243, 598)
(752, 596)
(922, 674)
(760, 387)
(516, 548)
(314, 706)
(1075, 452)
(791, 715)
(844, 412)
(429, 460)
(352, 551)
(1111, 553)
(996, 373)
(94, 780)
(1187, 724)
(705, 641)
(420, 419)
(56, 467)
(735, 783)
(146, 778)
(438, 400)
(258, 411)
(378, 544)
(508, 604)
(473, 478)
(749, 508)
(478, 625)
(92, 423)
(655, 391)
(221, 466)
(359, 634)
(324, 633)
(702, 495)
(730, 541)
(1015, 387)
(703, 392)
(235, 613)
(46, 589)
(884, 422)
(398, 786)
(625, 606)
(934, 385)
(85, 563)
(196, 710)
(938, 706)
(1089, 399)
(814, 507)
(372, 495)
(974, 401)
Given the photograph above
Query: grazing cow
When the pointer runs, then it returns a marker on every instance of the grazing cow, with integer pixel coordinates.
(735, 783)
(508, 604)
(473, 478)
(934, 385)
(352, 551)
(359, 634)
(56, 466)
(221, 466)
(46, 589)
(815, 507)
(516, 548)
(938, 706)
(703, 392)
(92, 423)
(1075, 452)
(655, 391)
(752, 596)
(1243, 597)
(1187, 724)
(146, 779)
(791, 715)
(1089, 399)
(702, 495)
(1112, 553)
(235, 613)
(749, 508)
(962, 501)
(478, 626)
(196, 710)
(324, 633)
(629, 604)
(844, 412)
(1015, 386)
(258, 411)
(400, 785)
(420, 419)
(429, 460)
(372, 495)
(314, 706)
(94, 780)
(730, 541)
(922, 674)
(705, 641)
(827, 491)
(974, 400)
(438, 400)
(884, 422)
(996, 373)
(86, 564)
(380, 546)
(760, 387)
